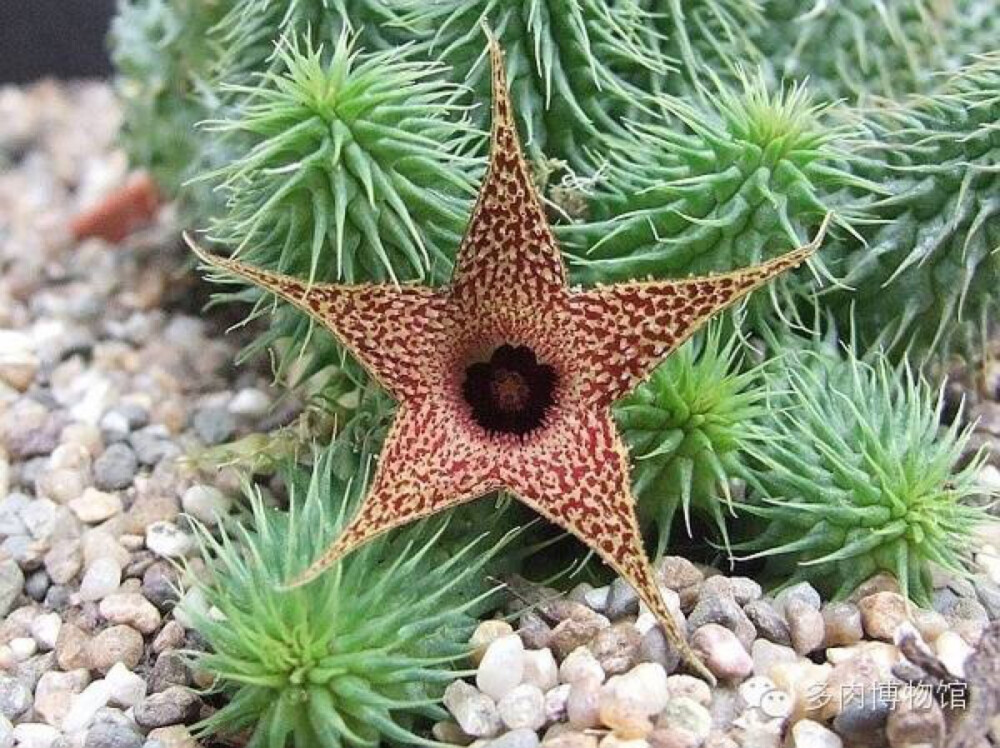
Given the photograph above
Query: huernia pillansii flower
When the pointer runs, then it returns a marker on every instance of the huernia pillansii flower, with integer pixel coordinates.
(361, 656)
(853, 474)
(687, 428)
(505, 378)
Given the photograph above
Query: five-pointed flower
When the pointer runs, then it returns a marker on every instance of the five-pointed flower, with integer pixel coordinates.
(505, 378)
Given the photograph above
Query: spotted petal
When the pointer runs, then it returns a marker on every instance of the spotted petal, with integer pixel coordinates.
(626, 330)
(508, 263)
(399, 333)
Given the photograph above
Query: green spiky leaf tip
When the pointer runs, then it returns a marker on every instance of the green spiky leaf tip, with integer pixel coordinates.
(750, 172)
(688, 428)
(853, 475)
(360, 655)
(347, 166)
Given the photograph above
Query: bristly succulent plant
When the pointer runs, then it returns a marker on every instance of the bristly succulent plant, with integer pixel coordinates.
(752, 175)
(359, 656)
(688, 428)
(854, 475)
(164, 58)
(928, 277)
(569, 62)
(350, 169)
(855, 49)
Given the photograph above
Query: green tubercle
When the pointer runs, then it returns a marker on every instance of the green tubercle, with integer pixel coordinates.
(853, 475)
(688, 429)
(744, 180)
(348, 167)
(926, 278)
(570, 63)
(360, 656)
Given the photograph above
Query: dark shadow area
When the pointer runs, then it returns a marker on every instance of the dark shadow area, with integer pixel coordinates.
(61, 38)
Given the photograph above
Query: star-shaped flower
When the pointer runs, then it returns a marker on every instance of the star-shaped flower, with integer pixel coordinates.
(506, 377)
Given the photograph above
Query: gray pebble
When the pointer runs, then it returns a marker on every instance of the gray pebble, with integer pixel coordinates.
(135, 415)
(214, 425)
(768, 621)
(58, 597)
(723, 610)
(174, 706)
(36, 585)
(152, 445)
(31, 670)
(11, 584)
(112, 735)
(169, 670)
(654, 647)
(520, 738)
(864, 715)
(802, 591)
(15, 698)
(622, 600)
(988, 593)
(115, 468)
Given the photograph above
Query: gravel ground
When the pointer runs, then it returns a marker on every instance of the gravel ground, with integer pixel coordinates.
(108, 377)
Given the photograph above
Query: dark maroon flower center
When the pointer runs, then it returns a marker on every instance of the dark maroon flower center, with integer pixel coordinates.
(510, 393)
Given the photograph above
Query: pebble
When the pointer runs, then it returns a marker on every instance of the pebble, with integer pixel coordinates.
(805, 625)
(583, 704)
(45, 630)
(11, 584)
(521, 738)
(576, 631)
(35, 735)
(742, 589)
(171, 636)
(249, 402)
(175, 705)
(206, 504)
(125, 688)
(22, 647)
(522, 707)
(96, 506)
(173, 736)
(622, 600)
(103, 576)
(475, 712)
(802, 591)
(133, 609)
(85, 705)
(809, 734)
(115, 468)
(71, 647)
(688, 715)
(15, 698)
(882, 613)
(113, 735)
(159, 584)
(722, 652)
(555, 703)
(6, 730)
(616, 648)
(540, 669)
(953, 651)
(115, 644)
(842, 624)
(170, 670)
(55, 691)
(678, 573)
(579, 665)
(167, 540)
(152, 445)
(768, 622)
(914, 721)
(722, 610)
(214, 425)
(502, 667)
(37, 584)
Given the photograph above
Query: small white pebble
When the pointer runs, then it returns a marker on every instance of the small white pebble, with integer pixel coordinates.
(35, 735)
(83, 708)
(45, 630)
(22, 647)
(953, 651)
(809, 734)
(485, 634)
(522, 707)
(249, 402)
(125, 688)
(580, 664)
(95, 506)
(207, 504)
(502, 667)
(168, 540)
(540, 669)
(555, 703)
(102, 577)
